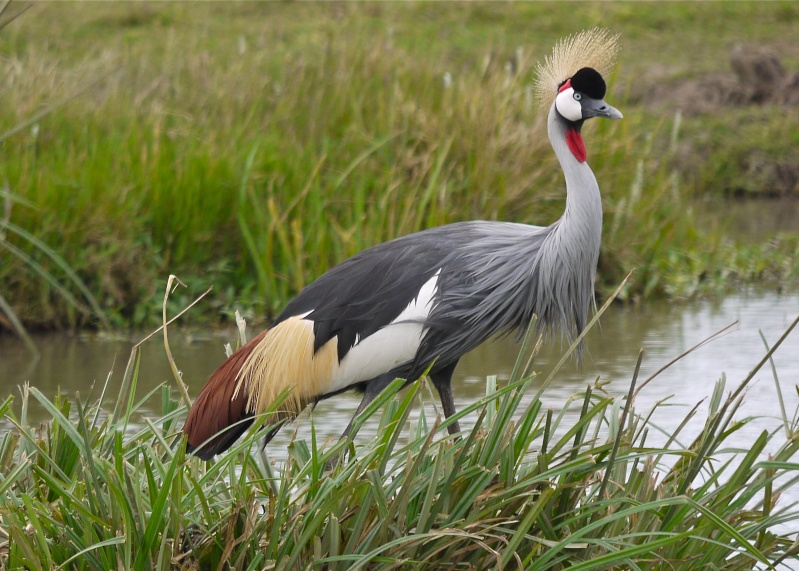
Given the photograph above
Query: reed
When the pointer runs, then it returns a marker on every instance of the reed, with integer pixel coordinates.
(252, 147)
(525, 488)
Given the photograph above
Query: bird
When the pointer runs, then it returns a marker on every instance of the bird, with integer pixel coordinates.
(416, 304)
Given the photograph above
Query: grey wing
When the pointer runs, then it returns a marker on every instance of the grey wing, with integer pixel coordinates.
(487, 289)
(365, 293)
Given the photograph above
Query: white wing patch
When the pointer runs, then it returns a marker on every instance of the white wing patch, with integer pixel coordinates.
(393, 345)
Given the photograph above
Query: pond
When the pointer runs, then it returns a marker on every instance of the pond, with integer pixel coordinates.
(74, 364)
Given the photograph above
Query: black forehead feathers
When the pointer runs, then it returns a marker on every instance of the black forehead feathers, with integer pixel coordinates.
(590, 82)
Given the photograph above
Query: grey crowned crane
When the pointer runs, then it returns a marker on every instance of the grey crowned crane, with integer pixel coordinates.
(428, 298)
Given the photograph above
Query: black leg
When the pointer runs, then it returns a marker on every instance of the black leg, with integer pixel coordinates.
(368, 396)
(442, 380)
(373, 388)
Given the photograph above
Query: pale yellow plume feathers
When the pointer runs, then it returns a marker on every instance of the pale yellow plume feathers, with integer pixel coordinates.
(596, 48)
(285, 359)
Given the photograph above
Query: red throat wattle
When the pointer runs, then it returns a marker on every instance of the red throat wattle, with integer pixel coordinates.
(575, 141)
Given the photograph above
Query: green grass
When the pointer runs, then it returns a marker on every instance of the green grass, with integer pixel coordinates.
(526, 488)
(252, 146)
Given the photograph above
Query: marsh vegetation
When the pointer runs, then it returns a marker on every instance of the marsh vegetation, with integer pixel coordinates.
(250, 146)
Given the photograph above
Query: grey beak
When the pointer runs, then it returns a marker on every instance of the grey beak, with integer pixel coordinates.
(598, 108)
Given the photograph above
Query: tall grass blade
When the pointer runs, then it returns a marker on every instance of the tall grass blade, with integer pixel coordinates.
(37, 268)
(776, 378)
(184, 392)
(61, 263)
(18, 327)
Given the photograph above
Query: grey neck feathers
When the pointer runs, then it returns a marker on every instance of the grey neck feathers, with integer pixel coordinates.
(568, 258)
(583, 201)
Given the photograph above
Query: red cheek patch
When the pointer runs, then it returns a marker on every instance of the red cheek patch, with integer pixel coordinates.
(575, 141)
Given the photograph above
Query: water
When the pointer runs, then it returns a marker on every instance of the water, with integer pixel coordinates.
(663, 330)
(74, 363)
(751, 221)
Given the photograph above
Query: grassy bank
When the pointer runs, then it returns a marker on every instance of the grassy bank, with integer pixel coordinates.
(527, 488)
(251, 146)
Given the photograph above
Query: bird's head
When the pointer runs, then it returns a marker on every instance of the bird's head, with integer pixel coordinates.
(582, 96)
(570, 80)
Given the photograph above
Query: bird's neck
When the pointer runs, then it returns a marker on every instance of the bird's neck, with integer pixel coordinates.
(583, 212)
(567, 259)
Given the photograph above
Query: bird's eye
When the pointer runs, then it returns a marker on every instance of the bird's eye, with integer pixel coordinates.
(577, 96)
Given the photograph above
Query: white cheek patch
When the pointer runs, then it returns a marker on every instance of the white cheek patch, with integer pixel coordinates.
(568, 106)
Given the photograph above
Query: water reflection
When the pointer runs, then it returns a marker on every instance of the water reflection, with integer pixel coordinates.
(751, 220)
(75, 363)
